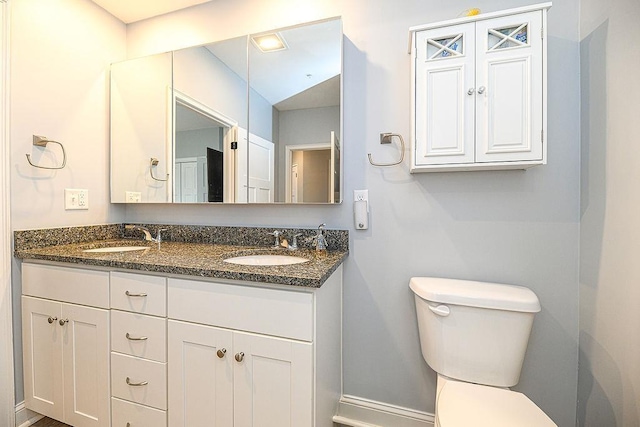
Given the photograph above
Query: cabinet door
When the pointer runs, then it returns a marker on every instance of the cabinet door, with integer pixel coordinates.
(273, 382)
(199, 376)
(509, 54)
(42, 356)
(445, 95)
(85, 334)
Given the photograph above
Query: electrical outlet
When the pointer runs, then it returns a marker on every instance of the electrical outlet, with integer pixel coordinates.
(360, 195)
(133, 197)
(76, 199)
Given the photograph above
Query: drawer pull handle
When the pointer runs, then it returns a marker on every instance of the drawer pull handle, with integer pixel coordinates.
(63, 321)
(129, 294)
(129, 337)
(51, 319)
(221, 352)
(128, 424)
(136, 384)
(239, 357)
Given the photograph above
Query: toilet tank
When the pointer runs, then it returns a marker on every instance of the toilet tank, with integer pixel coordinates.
(474, 331)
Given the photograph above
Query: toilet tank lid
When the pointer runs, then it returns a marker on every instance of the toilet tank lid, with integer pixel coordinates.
(475, 294)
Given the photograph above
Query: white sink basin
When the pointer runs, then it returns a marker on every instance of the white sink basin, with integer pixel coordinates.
(116, 249)
(266, 259)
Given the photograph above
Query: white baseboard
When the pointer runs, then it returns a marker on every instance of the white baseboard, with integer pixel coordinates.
(26, 417)
(358, 412)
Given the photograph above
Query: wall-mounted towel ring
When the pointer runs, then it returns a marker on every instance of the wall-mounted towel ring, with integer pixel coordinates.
(152, 163)
(385, 138)
(41, 141)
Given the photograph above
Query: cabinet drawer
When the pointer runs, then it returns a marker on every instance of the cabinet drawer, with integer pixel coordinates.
(75, 285)
(138, 335)
(153, 393)
(139, 293)
(267, 311)
(125, 414)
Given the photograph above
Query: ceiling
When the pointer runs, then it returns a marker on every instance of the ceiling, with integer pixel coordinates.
(136, 10)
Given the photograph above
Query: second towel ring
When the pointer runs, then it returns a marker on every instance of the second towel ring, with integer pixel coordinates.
(154, 162)
(42, 141)
(385, 138)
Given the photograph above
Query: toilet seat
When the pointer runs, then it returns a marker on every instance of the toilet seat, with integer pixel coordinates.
(463, 404)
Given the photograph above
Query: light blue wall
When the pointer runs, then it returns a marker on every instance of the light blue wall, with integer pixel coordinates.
(507, 226)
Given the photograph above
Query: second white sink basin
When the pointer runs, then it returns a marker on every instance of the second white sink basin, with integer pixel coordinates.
(266, 259)
(116, 249)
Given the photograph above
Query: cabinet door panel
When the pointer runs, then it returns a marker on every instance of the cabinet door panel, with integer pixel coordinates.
(200, 382)
(86, 366)
(510, 67)
(273, 382)
(42, 356)
(445, 95)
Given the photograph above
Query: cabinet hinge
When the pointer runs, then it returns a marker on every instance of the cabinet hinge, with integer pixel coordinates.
(542, 33)
(542, 135)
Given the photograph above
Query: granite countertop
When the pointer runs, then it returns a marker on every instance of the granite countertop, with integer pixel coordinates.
(195, 259)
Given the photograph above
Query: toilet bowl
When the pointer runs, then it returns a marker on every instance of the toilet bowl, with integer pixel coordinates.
(474, 335)
(461, 404)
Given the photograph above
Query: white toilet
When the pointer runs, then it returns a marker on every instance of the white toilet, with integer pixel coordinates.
(474, 335)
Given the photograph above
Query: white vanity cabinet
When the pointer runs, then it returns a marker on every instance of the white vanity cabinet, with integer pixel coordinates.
(65, 320)
(121, 349)
(138, 349)
(479, 92)
(245, 356)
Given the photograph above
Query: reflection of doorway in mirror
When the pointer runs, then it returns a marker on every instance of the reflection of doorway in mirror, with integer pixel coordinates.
(202, 153)
(313, 179)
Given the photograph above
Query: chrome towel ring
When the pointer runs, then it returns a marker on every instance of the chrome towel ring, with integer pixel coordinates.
(386, 138)
(42, 141)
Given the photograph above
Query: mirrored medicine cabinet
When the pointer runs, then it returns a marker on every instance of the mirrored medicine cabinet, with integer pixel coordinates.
(254, 119)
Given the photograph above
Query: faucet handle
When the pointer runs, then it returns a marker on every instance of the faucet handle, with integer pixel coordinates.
(158, 236)
(276, 234)
(294, 243)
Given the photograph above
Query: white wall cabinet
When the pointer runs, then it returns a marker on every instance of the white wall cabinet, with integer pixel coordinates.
(66, 345)
(479, 92)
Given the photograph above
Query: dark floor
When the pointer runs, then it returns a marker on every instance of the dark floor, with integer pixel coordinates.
(48, 422)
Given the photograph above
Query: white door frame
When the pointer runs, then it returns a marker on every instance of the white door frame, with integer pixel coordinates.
(7, 393)
(288, 153)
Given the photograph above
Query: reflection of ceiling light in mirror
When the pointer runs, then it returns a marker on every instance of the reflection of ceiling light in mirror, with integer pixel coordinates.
(269, 42)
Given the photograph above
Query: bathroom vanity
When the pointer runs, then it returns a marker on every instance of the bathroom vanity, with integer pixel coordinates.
(178, 337)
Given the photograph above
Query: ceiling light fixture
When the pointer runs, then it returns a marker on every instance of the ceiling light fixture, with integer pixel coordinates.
(271, 42)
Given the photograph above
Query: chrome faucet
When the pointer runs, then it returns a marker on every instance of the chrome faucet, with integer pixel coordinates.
(276, 234)
(147, 233)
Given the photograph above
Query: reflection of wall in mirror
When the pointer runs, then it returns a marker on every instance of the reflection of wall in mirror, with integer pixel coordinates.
(139, 121)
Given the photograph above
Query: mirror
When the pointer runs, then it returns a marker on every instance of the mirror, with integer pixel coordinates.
(203, 125)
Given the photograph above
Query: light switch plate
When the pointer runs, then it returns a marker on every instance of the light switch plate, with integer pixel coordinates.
(76, 199)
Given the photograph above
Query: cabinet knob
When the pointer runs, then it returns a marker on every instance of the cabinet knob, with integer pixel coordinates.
(51, 319)
(239, 357)
(221, 352)
(481, 90)
(471, 90)
(63, 321)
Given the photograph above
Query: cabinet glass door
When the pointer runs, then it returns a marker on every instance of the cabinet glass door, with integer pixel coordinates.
(444, 95)
(509, 75)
